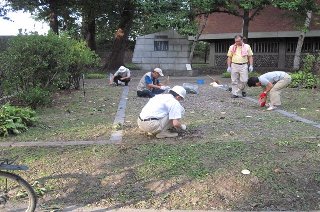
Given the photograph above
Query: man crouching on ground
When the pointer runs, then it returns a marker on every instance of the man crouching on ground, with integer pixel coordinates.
(162, 112)
(273, 82)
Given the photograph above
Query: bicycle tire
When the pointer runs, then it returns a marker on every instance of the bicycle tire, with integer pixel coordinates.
(30, 200)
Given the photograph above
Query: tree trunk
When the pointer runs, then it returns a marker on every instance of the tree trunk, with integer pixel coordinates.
(297, 59)
(116, 58)
(89, 29)
(245, 25)
(53, 17)
(196, 39)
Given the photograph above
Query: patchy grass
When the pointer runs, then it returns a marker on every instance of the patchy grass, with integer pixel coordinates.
(74, 116)
(200, 169)
(303, 102)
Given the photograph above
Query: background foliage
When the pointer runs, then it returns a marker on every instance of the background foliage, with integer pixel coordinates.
(33, 64)
(14, 120)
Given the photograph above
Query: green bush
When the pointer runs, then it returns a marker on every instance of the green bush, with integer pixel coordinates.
(226, 75)
(48, 62)
(35, 97)
(304, 78)
(15, 120)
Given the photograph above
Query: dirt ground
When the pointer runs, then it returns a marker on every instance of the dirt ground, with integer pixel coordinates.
(200, 169)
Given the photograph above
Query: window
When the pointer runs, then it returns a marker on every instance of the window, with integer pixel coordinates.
(161, 45)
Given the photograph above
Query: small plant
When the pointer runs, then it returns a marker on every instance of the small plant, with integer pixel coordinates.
(14, 120)
(226, 75)
(304, 78)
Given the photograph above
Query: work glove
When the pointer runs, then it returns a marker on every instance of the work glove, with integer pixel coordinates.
(163, 87)
(229, 69)
(263, 99)
(263, 95)
(183, 127)
(250, 68)
(262, 102)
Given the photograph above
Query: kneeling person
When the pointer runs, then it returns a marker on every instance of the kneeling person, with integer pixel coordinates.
(273, 82)
(122, 75)
(162, 112)
(149, 84)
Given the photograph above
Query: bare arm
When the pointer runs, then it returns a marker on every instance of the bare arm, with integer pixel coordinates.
(153, 86)
(250, 58)
(229, 61)
(268, 87)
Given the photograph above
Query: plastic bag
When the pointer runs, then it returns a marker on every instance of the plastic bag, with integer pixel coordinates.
(191, 88)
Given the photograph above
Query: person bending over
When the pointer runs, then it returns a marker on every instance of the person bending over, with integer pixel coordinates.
(163, 112)
(273, 83)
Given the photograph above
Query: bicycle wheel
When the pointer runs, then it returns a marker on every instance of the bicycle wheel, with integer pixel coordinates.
(16, 194)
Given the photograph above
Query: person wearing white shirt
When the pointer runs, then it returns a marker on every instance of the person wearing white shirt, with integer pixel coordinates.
(272, 82)
(163, 112)
(123, 75)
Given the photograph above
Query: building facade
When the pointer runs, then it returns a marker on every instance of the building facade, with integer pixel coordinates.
(273, 36)
(167, 50)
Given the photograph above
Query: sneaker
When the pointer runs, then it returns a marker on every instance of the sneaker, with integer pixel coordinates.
(244, 94)
(271, 107)
(166, 134)
(234, 96)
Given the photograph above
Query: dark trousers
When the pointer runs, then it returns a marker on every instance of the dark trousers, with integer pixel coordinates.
(148, 93)
(126, 81)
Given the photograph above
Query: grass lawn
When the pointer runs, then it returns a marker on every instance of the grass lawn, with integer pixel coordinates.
(200, 169)
(75, 117)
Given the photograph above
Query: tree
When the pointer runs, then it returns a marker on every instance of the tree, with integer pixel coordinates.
(47, 10)
(302, 10)
(296, 60)
(247, 10)
(202, 25)
(116, 58)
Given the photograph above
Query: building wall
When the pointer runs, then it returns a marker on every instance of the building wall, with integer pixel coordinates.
(167, 50)
(272, 53)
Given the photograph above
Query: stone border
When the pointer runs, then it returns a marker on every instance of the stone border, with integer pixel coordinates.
(116, 136)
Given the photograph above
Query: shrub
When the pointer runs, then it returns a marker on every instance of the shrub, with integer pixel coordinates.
(35, 97)
(47, 62)
(304, 78)
(14, 120)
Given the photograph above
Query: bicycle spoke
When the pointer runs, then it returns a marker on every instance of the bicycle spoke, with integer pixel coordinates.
(16, 194)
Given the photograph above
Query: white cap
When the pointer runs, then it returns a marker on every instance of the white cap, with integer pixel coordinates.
(180, 91)
(159, 71)
(122, 69)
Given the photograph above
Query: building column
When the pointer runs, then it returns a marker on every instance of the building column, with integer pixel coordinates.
(282, 54)
(212, 55)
